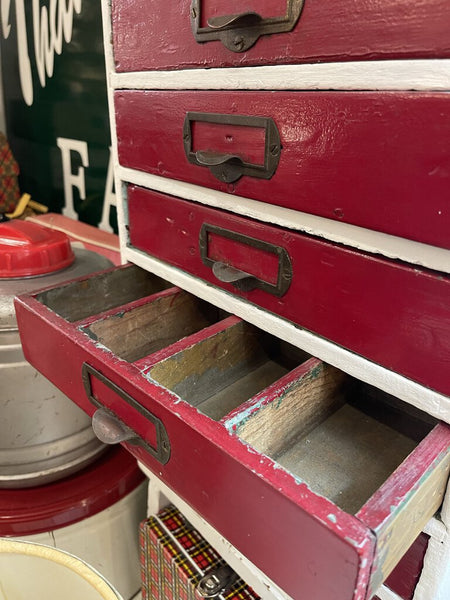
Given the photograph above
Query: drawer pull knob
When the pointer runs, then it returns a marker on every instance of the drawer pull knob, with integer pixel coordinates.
(228, 167)
(109, 429)
(233, 21)
(240, 32)
(229, 274)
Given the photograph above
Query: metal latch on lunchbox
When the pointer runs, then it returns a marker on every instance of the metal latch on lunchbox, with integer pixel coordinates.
(216, 582)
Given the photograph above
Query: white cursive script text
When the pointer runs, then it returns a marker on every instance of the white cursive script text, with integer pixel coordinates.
(51, 25)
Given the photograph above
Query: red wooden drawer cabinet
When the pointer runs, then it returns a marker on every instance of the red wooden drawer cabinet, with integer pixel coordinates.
(246, 428)
(278, 353)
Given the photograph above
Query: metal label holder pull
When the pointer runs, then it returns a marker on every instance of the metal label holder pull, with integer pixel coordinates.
(240, 32)
(242, 280)
(231, 167)
(111, 430)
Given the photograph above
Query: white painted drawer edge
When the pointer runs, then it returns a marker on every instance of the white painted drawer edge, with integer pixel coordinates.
(415, 74)
(366, 240)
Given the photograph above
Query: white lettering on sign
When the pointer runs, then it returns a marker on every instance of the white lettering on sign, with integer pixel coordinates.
(51, 25)
(77, 180)
(71, 179)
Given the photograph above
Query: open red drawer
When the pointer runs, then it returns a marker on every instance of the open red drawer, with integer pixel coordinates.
(393, 314)
(321, 481)
(199, 33)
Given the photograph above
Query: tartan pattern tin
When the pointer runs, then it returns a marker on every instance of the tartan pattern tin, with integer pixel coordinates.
(9, 171)
(175, 557)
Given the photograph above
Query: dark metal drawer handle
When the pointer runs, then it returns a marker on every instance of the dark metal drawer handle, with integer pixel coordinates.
(226, 167)
(242, 280)
(239, 32)
(230, 167)
(229, 274)
(111, 430)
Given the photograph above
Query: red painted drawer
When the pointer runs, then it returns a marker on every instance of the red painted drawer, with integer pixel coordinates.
(369, 159)
(405, 576)
(151, 35)
(247, 429)
(386, 311)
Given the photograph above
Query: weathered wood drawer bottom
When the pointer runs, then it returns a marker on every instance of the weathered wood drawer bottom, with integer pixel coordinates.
(245, 428)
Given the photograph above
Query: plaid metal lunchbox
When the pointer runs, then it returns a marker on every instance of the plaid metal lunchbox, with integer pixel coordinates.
(9, 171)
(177, 563)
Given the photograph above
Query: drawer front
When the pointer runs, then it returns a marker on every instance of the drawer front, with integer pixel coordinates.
(220, 462)
(405, 576)
(368, 159)
(390, 313)
(149, 36)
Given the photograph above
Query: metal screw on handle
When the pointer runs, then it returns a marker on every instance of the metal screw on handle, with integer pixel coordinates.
(109, 429)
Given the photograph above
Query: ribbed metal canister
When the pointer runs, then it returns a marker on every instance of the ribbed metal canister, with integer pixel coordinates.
(43, 435)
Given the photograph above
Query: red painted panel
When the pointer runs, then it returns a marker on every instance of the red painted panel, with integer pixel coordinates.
(266, 8)
(390, 313)
(232, 486)
(405, 576)
(369, 159)
(152, 35)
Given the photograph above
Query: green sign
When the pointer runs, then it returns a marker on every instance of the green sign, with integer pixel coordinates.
(54, 88)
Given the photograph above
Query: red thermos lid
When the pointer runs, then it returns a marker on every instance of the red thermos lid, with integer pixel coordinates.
(28, 249)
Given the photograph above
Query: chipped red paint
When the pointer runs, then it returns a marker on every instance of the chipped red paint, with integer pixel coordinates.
(343, 153)
(234, 487)
(271, 393)
(374, 299)
(389, 500)
(151, 35)
(209, 468)
(390, 496)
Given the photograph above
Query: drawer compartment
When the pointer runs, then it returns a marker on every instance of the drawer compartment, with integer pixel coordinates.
(221, 372)
(337, 155)
(226, 415)
(148, 37)
(147, 327)
(290, 274)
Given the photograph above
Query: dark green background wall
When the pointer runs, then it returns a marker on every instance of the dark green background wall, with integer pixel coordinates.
(73, 104)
